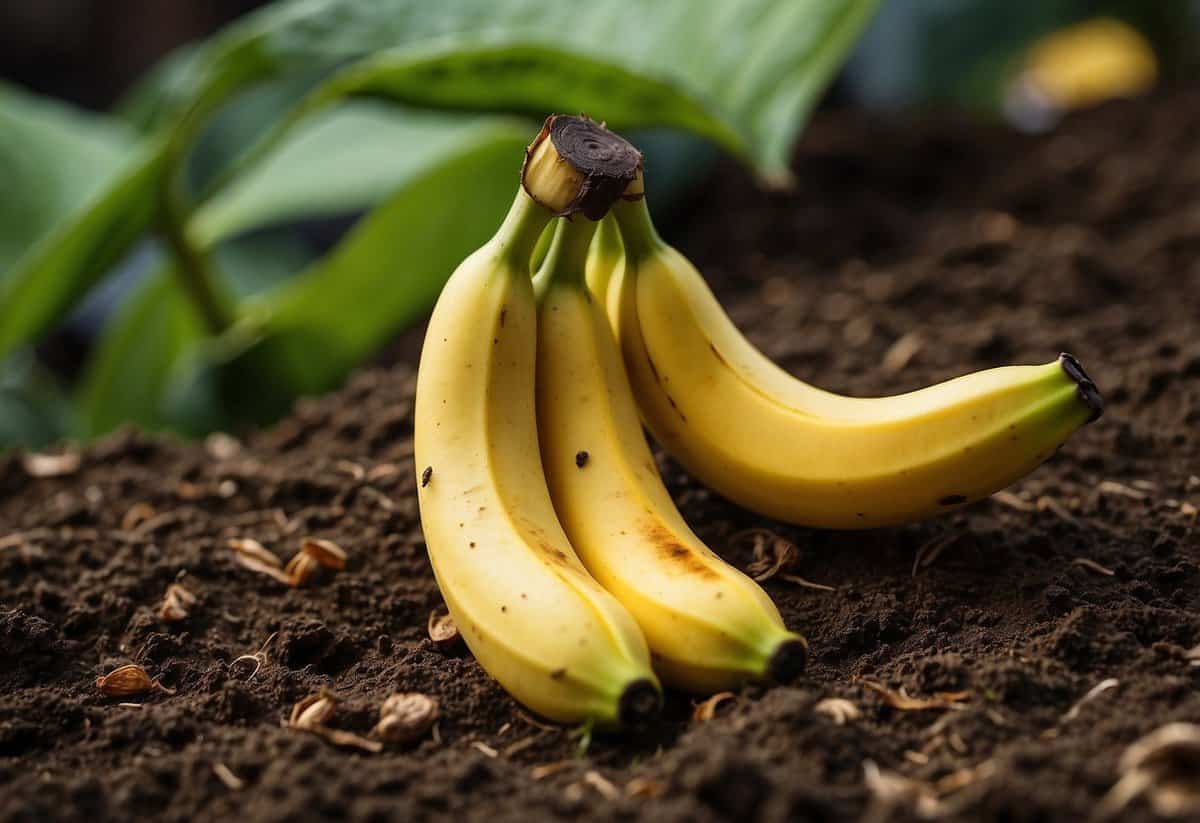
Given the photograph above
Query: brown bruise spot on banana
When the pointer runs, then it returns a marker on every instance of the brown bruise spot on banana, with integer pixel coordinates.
(671, 400)
(558, 674)
(952, 500)
(426, 476)
(670, 549)
(503, 315)
(581, 459)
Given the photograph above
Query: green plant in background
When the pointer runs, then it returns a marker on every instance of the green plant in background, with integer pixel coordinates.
(322, 108)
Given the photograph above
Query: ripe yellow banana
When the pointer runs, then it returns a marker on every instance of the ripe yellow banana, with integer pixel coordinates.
(781, 447)
(527, 608)
(709, 626)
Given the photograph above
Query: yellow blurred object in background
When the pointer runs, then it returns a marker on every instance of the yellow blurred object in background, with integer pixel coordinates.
(1089, 63)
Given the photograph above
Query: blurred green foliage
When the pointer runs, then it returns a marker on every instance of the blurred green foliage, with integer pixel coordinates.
(415, 112)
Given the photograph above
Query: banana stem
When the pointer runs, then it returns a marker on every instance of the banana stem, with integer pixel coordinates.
(638, 234)
(522, 227)
(567, 259)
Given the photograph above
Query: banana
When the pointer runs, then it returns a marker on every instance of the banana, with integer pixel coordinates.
(709, 627)
(527, 608)
(783, 448)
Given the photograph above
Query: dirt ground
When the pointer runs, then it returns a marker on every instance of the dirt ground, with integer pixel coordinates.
(907, 254)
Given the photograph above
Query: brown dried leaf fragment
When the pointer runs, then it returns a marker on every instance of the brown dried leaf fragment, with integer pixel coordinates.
(325, 552)
(443, 632)
(128, 680)
(771, 553)
(548, 769)
(406, 717)
(311, 714)
(51, 465)
(176, 604)
(901, 701)
(644, 787)
(707, 710)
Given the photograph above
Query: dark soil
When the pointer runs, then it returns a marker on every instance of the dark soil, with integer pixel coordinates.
(991, 247)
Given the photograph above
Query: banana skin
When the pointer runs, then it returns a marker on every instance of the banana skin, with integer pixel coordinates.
(527, 608)
(709, 627)
(789, 450)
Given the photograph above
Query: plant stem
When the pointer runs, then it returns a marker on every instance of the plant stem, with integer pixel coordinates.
(193, 267)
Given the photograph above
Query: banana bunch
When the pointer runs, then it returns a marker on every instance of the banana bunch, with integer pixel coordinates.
(565, 564)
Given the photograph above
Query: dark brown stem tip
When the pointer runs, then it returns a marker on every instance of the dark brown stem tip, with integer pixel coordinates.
(1085, 388)
(788, 662)
(577, 166)
(640, 703)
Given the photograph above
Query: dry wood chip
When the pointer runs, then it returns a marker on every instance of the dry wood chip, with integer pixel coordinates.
(484, 749)
(644, 787)
(521, 745)
(43, 465)
(442, 631)
(602, 784)
(137, 514)
(548, 769)
(1094, 692)
(326, 552)
(708, 709)
(1013, 501)
(406, 717)
(903, 702)
(226, 776)
(1092, 565)
(1113, 487)
(127, 680)
(901, 353)
(838, 709)
(252, 555)
(1164, 766)
(176, 604)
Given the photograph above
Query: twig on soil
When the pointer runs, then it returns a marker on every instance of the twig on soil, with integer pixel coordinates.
(900, 353)
(1013, 501)
(1092, 693)
(1049, 504)
(602, 785)
(537, 724)
(1092, 565)
(1113, 487)
(808, 584)
(548, 769)
(259, 657)
(1162, 765)
(932, 550)
(351, 469)
(226, 776)
(644, 787)
(484, 749)
(521, 745)
(901, 701)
